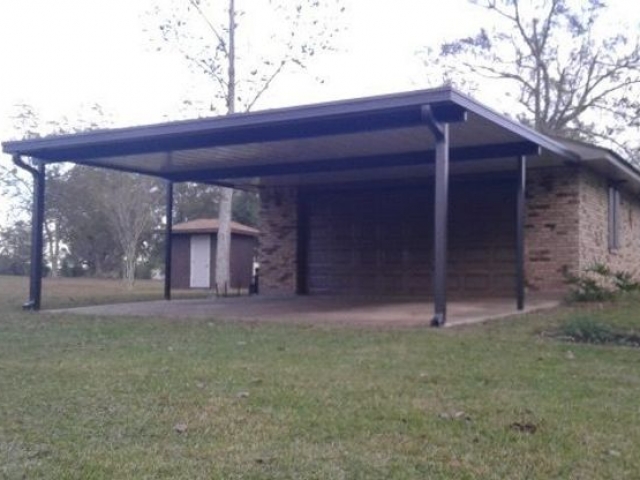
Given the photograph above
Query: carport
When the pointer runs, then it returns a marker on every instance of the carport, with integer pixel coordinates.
(416, 141)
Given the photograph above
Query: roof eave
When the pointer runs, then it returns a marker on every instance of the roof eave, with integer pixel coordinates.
(195, 231)
(289, 115)
(525, 132)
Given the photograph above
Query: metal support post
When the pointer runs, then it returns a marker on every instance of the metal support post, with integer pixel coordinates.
(37, 231)
(520, 226)
(168, 244)
(440, 132)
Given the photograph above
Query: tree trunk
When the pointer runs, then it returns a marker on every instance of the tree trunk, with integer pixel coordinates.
(223, 247)
(53, 247)
(98, 269)
(130, 267)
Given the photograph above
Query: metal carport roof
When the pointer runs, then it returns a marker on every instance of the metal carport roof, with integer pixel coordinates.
(296, 144)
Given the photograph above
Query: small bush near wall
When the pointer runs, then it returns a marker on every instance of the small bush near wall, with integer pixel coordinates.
(598, 283)
(585, 329)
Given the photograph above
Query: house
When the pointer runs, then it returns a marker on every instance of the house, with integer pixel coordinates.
(194, 252)
(426, 194)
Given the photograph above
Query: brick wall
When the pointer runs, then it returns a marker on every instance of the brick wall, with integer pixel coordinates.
(379, 240)
(278, 240)
(551, 228)
(566, 226)
(594, 232)
(384, 240)
(481, 256)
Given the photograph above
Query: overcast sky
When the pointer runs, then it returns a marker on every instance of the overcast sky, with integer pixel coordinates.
(63, 55)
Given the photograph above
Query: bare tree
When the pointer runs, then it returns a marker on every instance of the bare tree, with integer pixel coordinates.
(15, 248)
(82, 201)
(131, 205)
(571, 76)
(17, 186)
(92, 242)
(276, 37)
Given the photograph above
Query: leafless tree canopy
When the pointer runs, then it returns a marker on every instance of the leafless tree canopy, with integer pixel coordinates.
(573, 77)
(263, 38)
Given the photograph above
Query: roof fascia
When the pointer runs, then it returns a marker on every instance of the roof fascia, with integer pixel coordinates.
(292, 115)
(86, 144)
(507, 123)
(609, 156)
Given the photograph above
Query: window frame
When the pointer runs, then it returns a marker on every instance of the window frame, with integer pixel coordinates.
(614, 218)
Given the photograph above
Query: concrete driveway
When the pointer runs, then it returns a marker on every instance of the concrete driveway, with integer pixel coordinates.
(318, 310)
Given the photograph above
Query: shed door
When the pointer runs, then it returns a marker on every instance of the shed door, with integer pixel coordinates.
(200, 261)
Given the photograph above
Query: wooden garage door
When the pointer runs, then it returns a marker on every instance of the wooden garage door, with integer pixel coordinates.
(369, 242)
(379, 242)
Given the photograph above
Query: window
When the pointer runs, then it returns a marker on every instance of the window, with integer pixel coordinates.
(614, 218)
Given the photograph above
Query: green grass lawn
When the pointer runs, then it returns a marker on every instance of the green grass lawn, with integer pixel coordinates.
(75, 292)
(103, 397)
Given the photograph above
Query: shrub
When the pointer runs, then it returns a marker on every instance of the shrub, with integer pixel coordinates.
(598, 283)
(624, 282)
(587, 330)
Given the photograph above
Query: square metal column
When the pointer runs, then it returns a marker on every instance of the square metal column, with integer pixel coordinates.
(437, 118)
(37, 230)
(440, 234)
(440, 132)
(520, 226)
(168, 243)
(37, 239)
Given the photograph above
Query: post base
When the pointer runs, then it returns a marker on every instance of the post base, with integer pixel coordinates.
(29, 305)
(438, 320)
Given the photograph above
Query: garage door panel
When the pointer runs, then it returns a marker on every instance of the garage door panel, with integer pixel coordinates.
(381, 242)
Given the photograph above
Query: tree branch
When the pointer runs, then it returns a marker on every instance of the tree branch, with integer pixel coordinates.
(221, 41)
(266, 84)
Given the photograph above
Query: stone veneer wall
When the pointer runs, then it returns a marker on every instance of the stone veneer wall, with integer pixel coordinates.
(278, 240)
(552, 227)
(594, 232)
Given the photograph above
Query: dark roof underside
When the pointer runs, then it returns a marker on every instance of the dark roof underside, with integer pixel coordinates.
(382, 137)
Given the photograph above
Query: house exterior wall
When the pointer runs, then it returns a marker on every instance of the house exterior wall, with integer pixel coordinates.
(277, 246)
(551, 227)
(594, 231)
(378, 240)
(481, 239)
(566, 227)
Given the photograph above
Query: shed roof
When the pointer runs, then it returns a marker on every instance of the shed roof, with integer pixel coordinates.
(210, 225)
(382, 137)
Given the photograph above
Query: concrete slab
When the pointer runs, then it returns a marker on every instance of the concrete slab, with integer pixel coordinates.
(318, 310)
